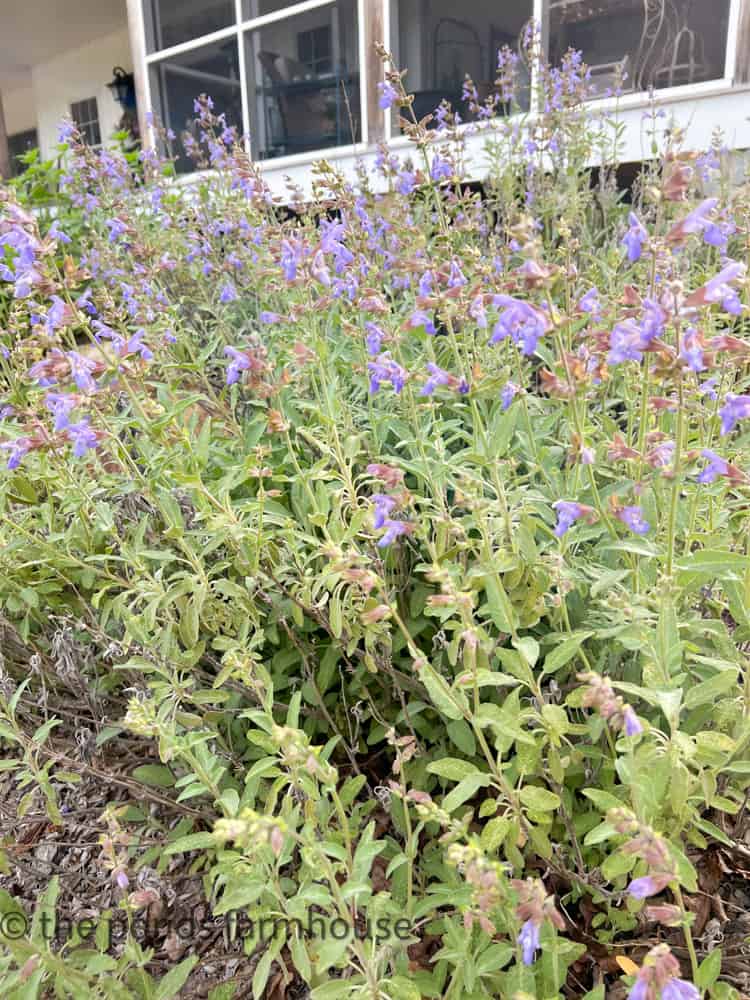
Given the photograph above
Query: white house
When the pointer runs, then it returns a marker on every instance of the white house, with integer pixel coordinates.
(299, 78)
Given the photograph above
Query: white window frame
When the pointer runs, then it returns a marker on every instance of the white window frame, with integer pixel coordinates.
(633, 100)
(239, 31)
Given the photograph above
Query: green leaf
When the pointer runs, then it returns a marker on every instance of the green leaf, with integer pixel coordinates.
(708, 691)
(464, 790)
(154, 774)
(564, 652)
(539, 799)
(243, 890)
(452, 768)
(170, 986)
(711, 564)
(709, 970)
(446, 701)
(192, 842)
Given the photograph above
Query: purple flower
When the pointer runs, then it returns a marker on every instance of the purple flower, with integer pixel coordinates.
(80, 369)
(716, 467)
(528, 939)
(456, 279)
(634, 238)
(291, 257)
(239, 363)
(55, 315)
(735, 408)
(374, 339)
(266, 316)
(228, 293)
(633, 518)
(440, 169)
(590, 301)
(388, 95)
(626, 343)
(437, 377)
(122, 879)
(568, 513)
(708, 388)
(425, 284)
(385, 369)
(117, 228)
(393, 530)
(642, 888)
(639, 990)
(82, 437)
(420, 318)
(478, 312)
(679, 989)
(65, 130)
(520, 321)
(633, 726)
(16, 450)
(691, 350)
(383, 506)
(60, 406)
(406, 182)
(508, 394)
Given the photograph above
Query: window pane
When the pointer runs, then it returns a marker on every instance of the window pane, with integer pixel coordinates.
(175, 21)
(257, 8)
(304, 81)
(212, 70)
(19, 144)
(665, 44)
(440, 42)
(85, 114)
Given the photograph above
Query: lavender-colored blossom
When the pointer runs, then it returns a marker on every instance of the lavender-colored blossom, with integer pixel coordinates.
(440, 169)
(520, 321)
(385, 369)
(590, 301)
(420, 318)
(679, 989)
(60, 405)
(16, 449)
(55, 315)
(406, 182)
(633, 518)
(239, 363)
(268, 317)
(642, 888)
(691, 350)
(716, 467)
(625, 342)
(708, 388)
(82, 437)
(228, 293)
(633, 725)
(477, 311)
(508, 394)
(393, 530)
(374, 338)
(735, 408)
(639, 990)
(528, 939)
(117, 228)
(80, 370)
(425, 284)
(568, 512)
(388, 95)
(384, 504)
(456, 278)
(634, 238)
(437, 377)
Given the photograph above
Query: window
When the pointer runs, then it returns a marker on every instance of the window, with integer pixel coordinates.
(211, 69)
(440, 43)
(176, 21)
(304, 81)
(85, 115)
(18, 144)
(314, 49)
(300, 91)
(666, 43)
